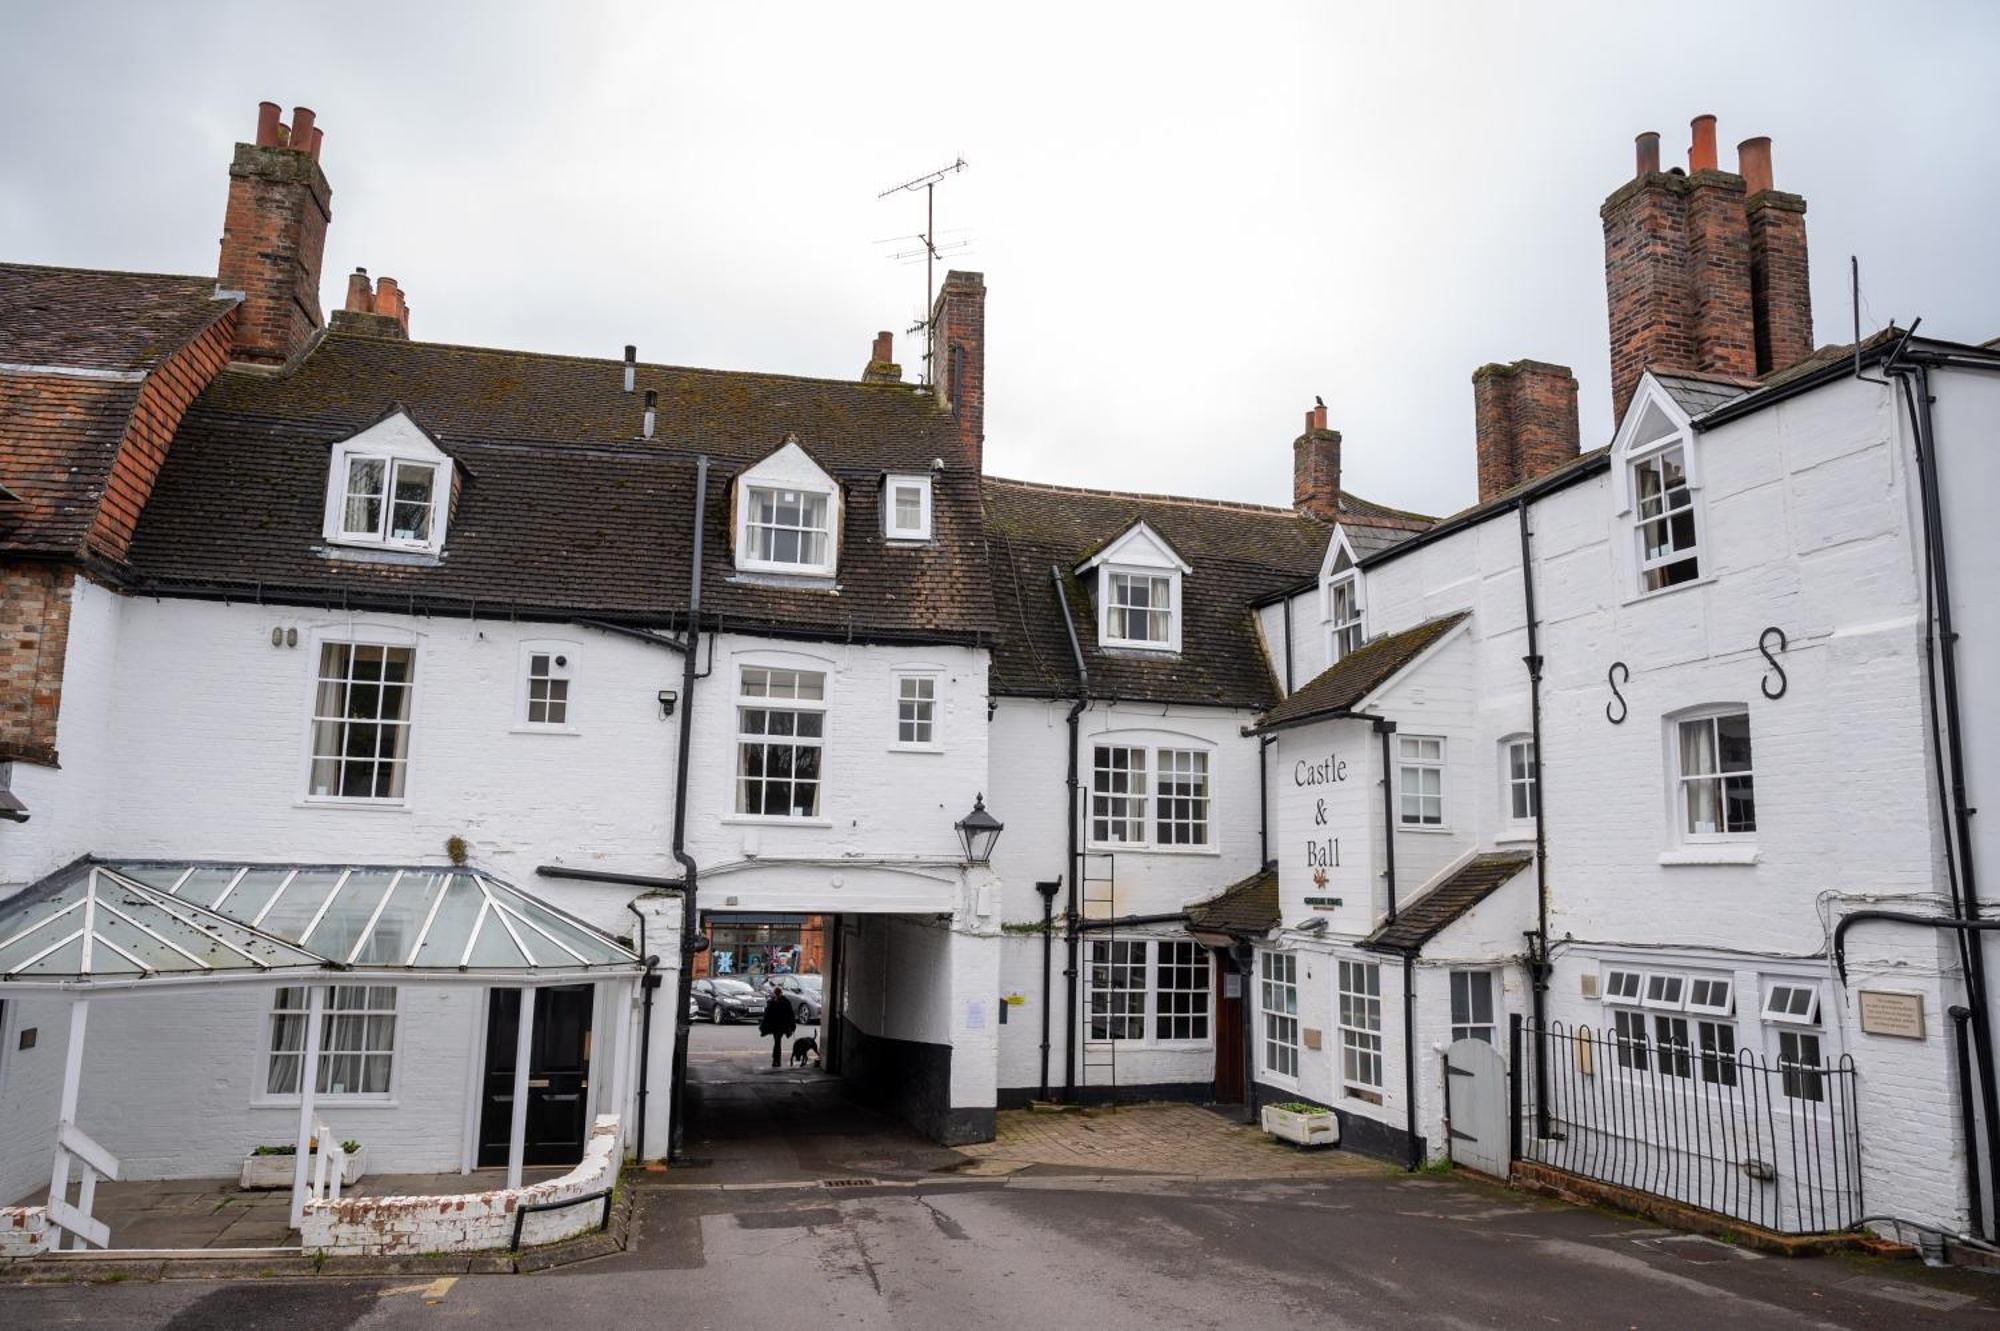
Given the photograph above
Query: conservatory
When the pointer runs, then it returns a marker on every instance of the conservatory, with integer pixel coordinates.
(439, 1013)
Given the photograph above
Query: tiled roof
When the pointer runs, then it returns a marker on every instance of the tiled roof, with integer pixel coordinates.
(1239, 552)
(566, 510)
(1423, 919)
(84, 319)
(1246, 909)
(60, 431)
(1357, 674)
(1698, 393)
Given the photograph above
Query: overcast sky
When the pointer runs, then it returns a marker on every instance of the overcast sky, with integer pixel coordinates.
(1191, 219)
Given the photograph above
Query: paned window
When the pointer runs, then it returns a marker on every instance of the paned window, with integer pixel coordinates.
(1665, 990)
(1183, 797)
(1628, 1033)
(1472, 1005)
(788, 527)
(1716, 997)
(1523, 791)
(548, 688)
(1793, 1004)
(1147, 990)
(357, 1042)
(361, 721)
(916, 710)
(1799, 1066)
(1139, 609)
(1361, 1029)
(780, 730)
(1622, 986)
(1717, 795)
(1181, 989)
(1420, 774)
(1671, 1039)
(1278, 1009)
(1718, 1052)
(1343, 615)
(392, 500)
(1118, 795)
(1669, 545)
(1117, 989)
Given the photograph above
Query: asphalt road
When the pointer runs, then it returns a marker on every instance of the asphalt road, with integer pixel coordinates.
(1384, 1250)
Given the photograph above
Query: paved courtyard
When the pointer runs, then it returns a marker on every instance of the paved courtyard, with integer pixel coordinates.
(1182, 1140)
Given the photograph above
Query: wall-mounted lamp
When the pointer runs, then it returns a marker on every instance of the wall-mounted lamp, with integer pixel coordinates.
(667, 700)
(1316, 926)
(978, 830)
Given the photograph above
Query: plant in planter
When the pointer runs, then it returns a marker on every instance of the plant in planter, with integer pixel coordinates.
(271, 1166)
(1302, 1123)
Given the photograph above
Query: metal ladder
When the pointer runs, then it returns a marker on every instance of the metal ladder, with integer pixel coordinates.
(1100, 1057)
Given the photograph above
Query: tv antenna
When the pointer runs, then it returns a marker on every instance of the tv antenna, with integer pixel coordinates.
(929, 248)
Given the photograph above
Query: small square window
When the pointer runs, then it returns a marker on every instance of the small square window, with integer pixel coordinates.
(546, 679)
(1622, 986)
(1665, 991)
(906, 508)
(1715, 997)
(1794, 1004)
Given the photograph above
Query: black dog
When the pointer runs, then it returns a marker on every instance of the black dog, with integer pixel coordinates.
(803, 1049)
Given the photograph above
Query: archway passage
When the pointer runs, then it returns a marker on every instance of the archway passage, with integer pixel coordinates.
(826, 1110)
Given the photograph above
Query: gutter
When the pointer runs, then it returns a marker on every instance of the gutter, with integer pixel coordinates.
(690, 871)
(1073, 975)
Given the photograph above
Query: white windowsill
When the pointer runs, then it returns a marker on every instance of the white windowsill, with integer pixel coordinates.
(1515, 836)
(788, 570)
(339, 1102)
(529, 728)
(1701, 580)
(1278, 1079)
(1425, 828)
(361, 806)
(1147, 848)
(772, 820)
(916, 748)
(1721, 852)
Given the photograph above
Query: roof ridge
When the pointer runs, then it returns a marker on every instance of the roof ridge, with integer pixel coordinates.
(105, 272)
(336, 335)
(1232, 505)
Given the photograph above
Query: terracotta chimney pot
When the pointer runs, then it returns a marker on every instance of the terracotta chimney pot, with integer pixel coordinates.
(1648, 145)
(1753, 160)
(1701, 153)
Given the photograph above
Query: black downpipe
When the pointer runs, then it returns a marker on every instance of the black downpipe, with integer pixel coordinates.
(1288, 646)
(1048, 890)
(1074, 853)
(1918, 399)
(1538, 960)
(690, 871)
(1387, 730)
(1416, 1155)
(1960, 1015)
(1264, 859)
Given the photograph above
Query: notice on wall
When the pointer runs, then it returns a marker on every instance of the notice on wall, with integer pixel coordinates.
(1232, 985)
(1886, 1013)
(975, 1014)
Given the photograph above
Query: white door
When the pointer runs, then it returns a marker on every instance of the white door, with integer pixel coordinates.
(1475, 1078)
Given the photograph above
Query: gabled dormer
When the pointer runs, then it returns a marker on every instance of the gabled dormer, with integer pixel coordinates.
(786, 515)
(1656, 492)
(1340, 601)
(1138, 590)
(390, 487)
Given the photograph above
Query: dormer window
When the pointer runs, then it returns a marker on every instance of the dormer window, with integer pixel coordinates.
(788, 528)
(1659, 491)
(1139, 590)
(787, 515)
(390, 488)
(1340, 603)
(906, 508)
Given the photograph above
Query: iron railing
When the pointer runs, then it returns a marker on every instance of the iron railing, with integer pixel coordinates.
(1776, 1144)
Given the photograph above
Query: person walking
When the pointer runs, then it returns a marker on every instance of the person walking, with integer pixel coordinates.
(778, 1022)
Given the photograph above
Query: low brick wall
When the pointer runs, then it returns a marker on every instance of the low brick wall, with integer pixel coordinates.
(24, 1231)
(472, 1222)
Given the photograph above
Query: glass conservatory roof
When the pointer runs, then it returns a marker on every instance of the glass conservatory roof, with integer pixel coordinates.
(137, 919)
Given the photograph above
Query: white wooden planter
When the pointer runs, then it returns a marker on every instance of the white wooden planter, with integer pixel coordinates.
(275, 1171)
(1321, 1129)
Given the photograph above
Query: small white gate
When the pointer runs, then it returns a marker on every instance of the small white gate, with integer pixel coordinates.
(1475, 1106)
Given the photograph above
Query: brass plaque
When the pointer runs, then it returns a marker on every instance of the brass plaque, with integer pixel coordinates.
(1886, 1013)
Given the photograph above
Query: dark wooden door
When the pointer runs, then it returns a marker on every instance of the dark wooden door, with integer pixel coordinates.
(558, 1076)
(1229, 1031)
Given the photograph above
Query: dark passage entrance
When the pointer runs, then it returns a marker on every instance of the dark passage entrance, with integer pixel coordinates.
(558, 1076)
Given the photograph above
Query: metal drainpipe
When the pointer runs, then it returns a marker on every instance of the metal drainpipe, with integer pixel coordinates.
(1538, 963)
(1387, 730)
(1048, 890)
(1960, 1015)
(1410, 1059)
(690, 914)
(1264, 743)
(1072, 975)
(1288, 646)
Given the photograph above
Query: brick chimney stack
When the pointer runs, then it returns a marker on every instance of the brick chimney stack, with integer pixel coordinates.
(958, 372)
(1527, 422)
(882, 367)
(273, 236)
(375, 310)
(1704, 270)
(1316, 467)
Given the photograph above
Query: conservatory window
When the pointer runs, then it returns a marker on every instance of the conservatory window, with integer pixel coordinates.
(357, 1041)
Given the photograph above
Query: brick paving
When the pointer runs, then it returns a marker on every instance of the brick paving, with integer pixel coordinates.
(1182, 1140)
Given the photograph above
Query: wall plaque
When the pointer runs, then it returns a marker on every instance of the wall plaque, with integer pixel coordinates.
(1886, 1013)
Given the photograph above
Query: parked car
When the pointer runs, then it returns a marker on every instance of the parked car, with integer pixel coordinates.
(723, 999)
(806, 992)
